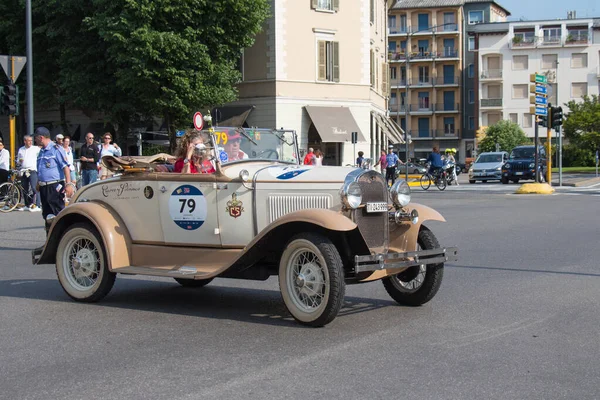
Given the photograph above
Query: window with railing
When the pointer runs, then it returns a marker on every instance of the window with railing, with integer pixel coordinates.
(577, 36)
(525, 38)
(551, 35)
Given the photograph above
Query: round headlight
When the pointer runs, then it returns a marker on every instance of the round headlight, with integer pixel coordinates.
(532, 165)
(507, 166)
(351, 195)
(400, 193)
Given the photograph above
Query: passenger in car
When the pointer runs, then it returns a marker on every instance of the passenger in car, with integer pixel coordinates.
(192, 155)
(232, 147)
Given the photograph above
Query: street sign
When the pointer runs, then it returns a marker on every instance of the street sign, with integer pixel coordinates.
(537, 78)
(540, 89)
(541, 100)
(7, 61)
(179, 133)
(543, 111)
(198, 121)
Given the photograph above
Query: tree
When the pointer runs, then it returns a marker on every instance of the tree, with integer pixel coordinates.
(582, 130)
(174, 58)
(507, 134)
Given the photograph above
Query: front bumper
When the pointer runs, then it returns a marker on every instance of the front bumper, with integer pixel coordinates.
(518, 174)
(376, 262)
(485, 175)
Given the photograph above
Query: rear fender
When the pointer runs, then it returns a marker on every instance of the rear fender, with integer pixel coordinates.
(114, 234)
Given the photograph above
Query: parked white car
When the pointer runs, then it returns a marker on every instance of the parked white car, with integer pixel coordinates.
(488, 166)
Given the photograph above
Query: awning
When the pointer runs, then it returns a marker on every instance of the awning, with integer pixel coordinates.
(390, 128)
(334, 124)
(233, 116)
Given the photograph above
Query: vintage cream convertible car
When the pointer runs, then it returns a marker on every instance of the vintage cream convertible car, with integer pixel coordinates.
(317, 228)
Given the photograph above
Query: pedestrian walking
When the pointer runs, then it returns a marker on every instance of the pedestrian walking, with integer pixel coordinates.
(360, 159)
(89, 156)
(66, 145)
(392, 161)
(308, 159)
(52, 166)
(382, 161)
(27, 164)
(318, 159)
(4, 163)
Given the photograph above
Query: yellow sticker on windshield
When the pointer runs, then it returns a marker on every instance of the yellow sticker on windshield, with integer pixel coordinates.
(221, 138)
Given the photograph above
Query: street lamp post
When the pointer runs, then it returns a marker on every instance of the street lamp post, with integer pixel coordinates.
(406, 106)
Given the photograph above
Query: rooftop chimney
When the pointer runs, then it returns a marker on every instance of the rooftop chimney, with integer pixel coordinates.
(571, 14)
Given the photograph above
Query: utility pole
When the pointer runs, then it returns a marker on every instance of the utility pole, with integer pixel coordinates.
(29, 66)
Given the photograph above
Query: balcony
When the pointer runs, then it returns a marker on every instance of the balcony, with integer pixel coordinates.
(577, 38)
(446, 133)
(422, 55)
(397, 56)
(397, 108)
(447, 29)
(415, 30)
(551, 41)
(403, 30)
(448, 52)
(425, 81)
(446, 81)
(397, 82)
(422, 134)
(491, 103)
(447, 108)
(491, 74)
(519, 42)
(422, 108)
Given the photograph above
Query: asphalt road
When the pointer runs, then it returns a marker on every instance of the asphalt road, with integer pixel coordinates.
(516, 318)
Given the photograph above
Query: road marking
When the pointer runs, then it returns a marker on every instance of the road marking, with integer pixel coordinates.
(21, 282)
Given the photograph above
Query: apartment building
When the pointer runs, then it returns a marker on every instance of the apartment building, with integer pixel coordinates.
(567, 51)
(319, 67)
(476, 12)
(424, 45)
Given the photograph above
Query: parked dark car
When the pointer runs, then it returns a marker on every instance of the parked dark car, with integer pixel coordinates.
(521, 164)
(412, 168)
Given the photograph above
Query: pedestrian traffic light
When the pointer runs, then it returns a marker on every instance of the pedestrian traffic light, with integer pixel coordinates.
(543, 121)
(10, 96)
(556, 117)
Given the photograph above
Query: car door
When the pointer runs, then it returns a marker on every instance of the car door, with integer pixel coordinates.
(236, 217)
(188, 209)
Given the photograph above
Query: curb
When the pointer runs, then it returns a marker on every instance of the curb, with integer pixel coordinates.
(535, 188)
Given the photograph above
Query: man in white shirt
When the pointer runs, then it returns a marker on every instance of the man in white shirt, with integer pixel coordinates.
(4, 163)
(27, 164)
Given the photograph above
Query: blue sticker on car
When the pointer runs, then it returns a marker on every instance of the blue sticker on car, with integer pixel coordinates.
(291, 174)
(187, 207)
(223, 156)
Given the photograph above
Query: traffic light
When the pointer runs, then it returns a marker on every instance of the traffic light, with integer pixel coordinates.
(10, 99)
(543, 121)
(556, 117)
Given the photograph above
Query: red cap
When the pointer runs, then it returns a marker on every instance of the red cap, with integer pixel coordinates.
(232, 135)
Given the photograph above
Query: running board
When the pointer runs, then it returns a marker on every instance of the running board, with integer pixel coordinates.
(183, 272)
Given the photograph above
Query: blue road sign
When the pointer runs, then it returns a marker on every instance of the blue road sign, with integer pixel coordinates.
(540, 89)
(542, 111)
(541, 100)
(179, 133)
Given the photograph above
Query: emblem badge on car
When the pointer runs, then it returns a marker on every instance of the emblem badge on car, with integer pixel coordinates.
(235, 207)
(148, 192)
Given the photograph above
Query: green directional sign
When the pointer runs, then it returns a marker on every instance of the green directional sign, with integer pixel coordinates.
(540, 78)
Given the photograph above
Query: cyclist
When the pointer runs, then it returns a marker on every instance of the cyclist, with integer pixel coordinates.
(435, 161)
(4, 163)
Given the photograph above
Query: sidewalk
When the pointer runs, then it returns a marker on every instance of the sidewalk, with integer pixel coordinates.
(576, 180)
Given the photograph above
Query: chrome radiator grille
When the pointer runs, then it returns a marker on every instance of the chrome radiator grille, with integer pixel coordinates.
(280, 205)
(373, 226)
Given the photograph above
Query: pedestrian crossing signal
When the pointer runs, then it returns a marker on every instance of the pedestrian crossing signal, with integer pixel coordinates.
(10, 99)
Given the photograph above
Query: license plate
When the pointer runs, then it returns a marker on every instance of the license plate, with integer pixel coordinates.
(518, 173)
(377, 207)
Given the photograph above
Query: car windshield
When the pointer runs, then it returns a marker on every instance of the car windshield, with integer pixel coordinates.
(239, 144)
(522, 152)
(489, 158)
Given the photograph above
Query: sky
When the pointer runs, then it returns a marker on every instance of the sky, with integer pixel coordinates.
(550, 9)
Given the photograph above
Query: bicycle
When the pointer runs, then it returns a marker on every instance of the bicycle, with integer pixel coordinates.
(439, 177)
(11, 192)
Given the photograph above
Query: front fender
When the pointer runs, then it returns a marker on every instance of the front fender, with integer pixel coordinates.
(112, 229)
(404, 237)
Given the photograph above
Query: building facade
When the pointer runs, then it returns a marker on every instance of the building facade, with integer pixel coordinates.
(320, 68)
(424, 45)
(476, 12)
(566, 51)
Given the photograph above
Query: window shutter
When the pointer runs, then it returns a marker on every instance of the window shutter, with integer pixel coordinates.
(321, 62)
(336, 5)
(314, 3)
(384, 83)
(336, 61)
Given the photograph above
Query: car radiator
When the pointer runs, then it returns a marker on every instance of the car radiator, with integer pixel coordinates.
(373, 226)
(280, 205)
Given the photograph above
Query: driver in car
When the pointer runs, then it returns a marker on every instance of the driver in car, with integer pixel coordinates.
(232, 147)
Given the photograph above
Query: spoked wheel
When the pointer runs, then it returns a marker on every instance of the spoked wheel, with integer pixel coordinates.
(81, 264)
(425, 181)
(440, 181)
(419, 284)
(10, 196)
(311, 279)
(193, 283)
